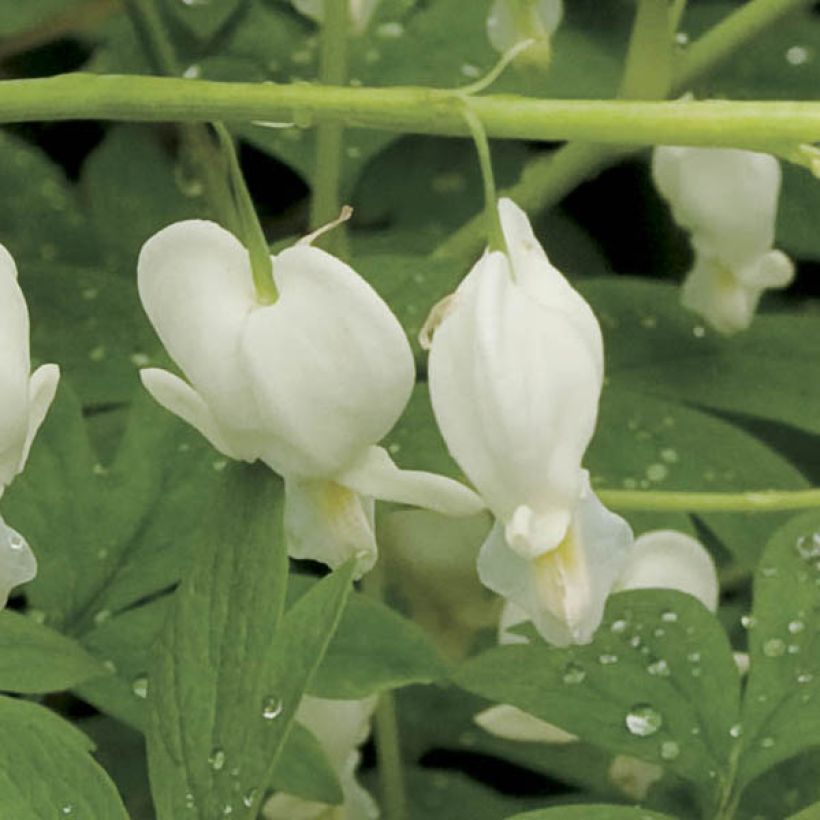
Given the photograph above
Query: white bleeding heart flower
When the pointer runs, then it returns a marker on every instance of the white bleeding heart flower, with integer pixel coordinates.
(359, 11)
(340, 726)
(26, 399)
(726, 199)
(511, 22)
(515, 371)
(308, 384)
(661, 559)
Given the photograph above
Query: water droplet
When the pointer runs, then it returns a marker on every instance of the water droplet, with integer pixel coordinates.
(573, 673)
(607, 660)
(390, 31)
(797, 55)
(805, 677)
(139, 686)
(696, 672)
(192, 3)
(793, 649)
(216, 759)
(659, 668)
(736, 731)
(89, 294)
(659, 633)
(193, 72)
(698, 331)
(693, 657)
(635, 641)
(190, 803)
(619, 626)
(630, 484)
(808, 546)
(769, 572)
(220, 464)
(102, 554)
(682, 39)
(767, 742)
(228, 810)
(796, 627)
(669, 455)
(670, 750)
(669, 617)
(657, 472)
(649, 322)
(140, 359)
(747, 621)
(110, 666)
(272, 707)
(67, 809)
(470, 71)
(249, 797)
(102, 616)
(97, 354)
(774, 648)
(643, 720)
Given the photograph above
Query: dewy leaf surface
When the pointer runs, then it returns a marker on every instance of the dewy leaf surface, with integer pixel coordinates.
(781, 711)
(658, 682)
(46, 769)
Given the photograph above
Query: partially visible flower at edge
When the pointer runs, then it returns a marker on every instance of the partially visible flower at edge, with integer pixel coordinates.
(726, 198)
(511, 22)
(26, 399)
(340, 726)
(359, 11)
(308, 384)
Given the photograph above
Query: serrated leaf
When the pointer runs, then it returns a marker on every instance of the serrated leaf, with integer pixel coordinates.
(35, 659)
(229, 672)
(45, 768)
(781, 711)
(664, 675)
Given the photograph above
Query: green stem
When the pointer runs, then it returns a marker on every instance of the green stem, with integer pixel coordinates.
(746, 502)
(388, 742)
(548, 178)
(648, 71)
(327, 170)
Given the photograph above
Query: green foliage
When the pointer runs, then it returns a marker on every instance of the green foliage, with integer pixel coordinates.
(45, 767)
(589, 812)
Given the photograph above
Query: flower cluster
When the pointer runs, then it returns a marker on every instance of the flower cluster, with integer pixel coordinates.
(26, 399)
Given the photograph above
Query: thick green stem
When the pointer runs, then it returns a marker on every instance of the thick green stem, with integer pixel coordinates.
(548, 178)
(327, 170)
(745, 502)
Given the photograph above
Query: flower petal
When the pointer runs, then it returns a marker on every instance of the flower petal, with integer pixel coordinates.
(41, 391)
(666, 559)
(375, 474)
(17, 562)
(329, 523)
(179, 398)
(330, 365)
(196, 286)
(511, 723)
(14, 370)
(515, 393)
(563, 591)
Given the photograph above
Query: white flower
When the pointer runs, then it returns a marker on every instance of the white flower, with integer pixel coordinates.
(511, 22)
(308, 384)
(661, 559)
(516, 369)
(727, 199)
(340, 726)
(359, 11)
(26, 399)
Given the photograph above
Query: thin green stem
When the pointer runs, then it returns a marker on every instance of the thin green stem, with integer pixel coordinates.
(548, 178)
(648, 71)
(327, 169)
(745, 502)
(388, 742)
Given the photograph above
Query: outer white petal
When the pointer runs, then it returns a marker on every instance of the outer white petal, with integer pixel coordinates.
(504, 33)
(665, 559)
(511, 723)
(330, 365)
(515, 393)
(14, 370)
(564, 591)
(196, 286)
(178, 397)
(17, 562)
(360, 11)
(726, 197)
(543, 281)
(41, 392)
(329, 523)
(375, 474)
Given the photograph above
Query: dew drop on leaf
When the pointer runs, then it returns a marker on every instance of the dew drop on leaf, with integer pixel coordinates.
(659, 668)
(573, 673)
(272, 707)
(747, 621)
(670, 750)
(808, 546)
(619, 626)
(805, 677)
(767, 742)
(216, 759)
(607, 660)
(669, 617)
(774, 648)
(643, 720)
(736, 731)
(249, 797)
(139, 686)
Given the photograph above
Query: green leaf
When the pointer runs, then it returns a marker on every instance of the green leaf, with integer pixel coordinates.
(659, 663)
(799, 199)
(46, 768)
(303, 769)
(809, 813)
(35, 659)
(657, 347)
(108, 537)
(790, 785)
(204, 20)
(781, 711)
(374, 649)
(228, 671)
(591, 812)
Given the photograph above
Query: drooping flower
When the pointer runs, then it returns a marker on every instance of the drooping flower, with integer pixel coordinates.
(359, 11)
(726, 199)
(661, 559)
(511, 22)
(515, 371)
(26, 399)
(340, 726)
(308, 384)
